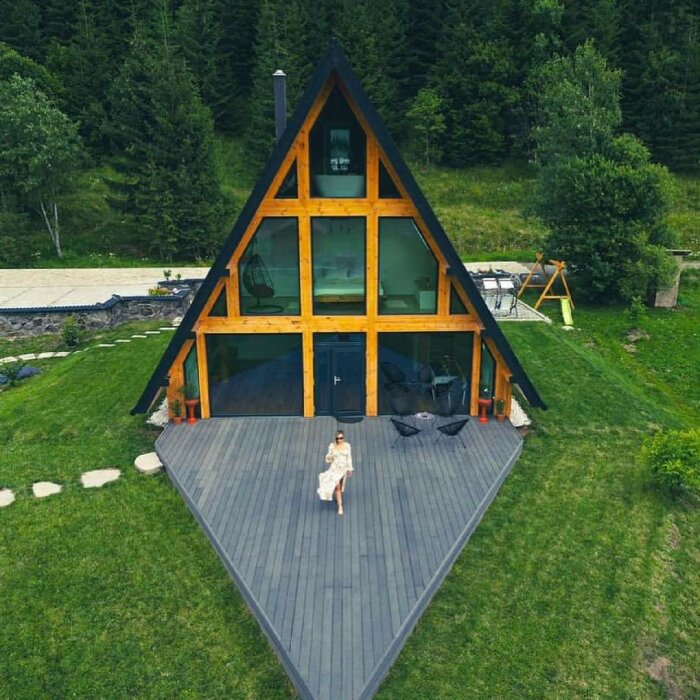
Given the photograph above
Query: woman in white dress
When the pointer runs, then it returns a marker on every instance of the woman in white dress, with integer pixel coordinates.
(339, 457)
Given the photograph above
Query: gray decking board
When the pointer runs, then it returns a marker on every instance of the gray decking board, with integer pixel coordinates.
(336, 597)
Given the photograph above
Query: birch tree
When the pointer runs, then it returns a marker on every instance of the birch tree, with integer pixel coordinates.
(39, 151)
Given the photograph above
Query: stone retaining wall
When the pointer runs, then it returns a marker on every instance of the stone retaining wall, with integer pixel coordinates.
(114, 312)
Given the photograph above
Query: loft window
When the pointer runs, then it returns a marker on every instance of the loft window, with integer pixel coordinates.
(337, 151)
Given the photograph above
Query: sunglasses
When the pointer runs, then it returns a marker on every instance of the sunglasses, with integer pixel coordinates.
(338, 439)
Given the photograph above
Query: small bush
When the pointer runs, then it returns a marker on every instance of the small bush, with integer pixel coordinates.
(12, 371)
(158, 292)
(636, 311)
(72, 332)
(673, 459)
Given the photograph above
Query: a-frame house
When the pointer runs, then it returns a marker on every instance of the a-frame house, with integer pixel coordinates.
(337, 291)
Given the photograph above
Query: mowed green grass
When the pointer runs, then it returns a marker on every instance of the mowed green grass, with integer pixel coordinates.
(578, 578)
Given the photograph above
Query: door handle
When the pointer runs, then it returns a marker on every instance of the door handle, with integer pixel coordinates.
(336, 380)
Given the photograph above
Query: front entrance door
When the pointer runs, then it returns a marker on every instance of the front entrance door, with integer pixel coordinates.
(339, 374)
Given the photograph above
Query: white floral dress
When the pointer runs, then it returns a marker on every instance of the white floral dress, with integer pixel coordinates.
(340, 465)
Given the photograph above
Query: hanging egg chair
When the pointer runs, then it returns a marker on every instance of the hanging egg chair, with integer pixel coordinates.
(258, 283)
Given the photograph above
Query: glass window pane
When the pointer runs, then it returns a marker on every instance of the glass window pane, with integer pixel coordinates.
(257, 374)
(387, 186)
(456, 304)
(338, 248)
(337, 151)
(268, 272)
(408, 270)
(220, 307)
(488, 367)
(424, 372)
(288, 188)
(192, 373)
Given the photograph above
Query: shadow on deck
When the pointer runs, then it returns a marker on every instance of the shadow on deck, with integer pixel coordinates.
(336, 596)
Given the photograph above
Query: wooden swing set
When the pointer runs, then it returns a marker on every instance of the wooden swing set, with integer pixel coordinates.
(546, 286)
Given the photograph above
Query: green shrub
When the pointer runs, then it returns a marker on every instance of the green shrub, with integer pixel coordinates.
(158, 292)
(636, 311)
(12, 371)
(673, 459)
(72, 332)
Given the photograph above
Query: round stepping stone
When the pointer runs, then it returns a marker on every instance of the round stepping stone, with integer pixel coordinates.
(148, 463)
(6, 497)
(99, 477)
(42, 489)
(45, 355)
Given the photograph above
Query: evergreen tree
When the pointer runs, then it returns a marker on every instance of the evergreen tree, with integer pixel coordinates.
(163, 137)
(476, 78)
(20, 27)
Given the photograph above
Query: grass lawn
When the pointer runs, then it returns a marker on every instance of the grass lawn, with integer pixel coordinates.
(579, 577)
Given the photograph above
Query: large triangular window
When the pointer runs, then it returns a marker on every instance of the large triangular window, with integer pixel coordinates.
(337, 151)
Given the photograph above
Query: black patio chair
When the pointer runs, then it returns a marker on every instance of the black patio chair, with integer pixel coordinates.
(444, 404)
(400, 399)
(453, 430)
(405, 431)
(426, 382)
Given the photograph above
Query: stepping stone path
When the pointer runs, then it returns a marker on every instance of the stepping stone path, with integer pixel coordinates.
(6, 497)
(42, 489)
(139, 336)
(106, 345)
(152, 332)
(99, 477)
(28, 356)
(123, 340)
(167, 328)
(148, 463)
(45, 355)
(9, 359)
(64, 353)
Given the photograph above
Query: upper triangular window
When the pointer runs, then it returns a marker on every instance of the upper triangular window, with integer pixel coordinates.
(220, 307)
(289, 188)
(387, 186)
(456, 304)
(337, 151)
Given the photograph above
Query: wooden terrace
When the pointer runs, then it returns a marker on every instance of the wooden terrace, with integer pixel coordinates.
(337, 596)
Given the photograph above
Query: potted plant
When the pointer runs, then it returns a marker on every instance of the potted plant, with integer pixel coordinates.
(191, 401)
(500, 409)
(484, 403)
(176, 411)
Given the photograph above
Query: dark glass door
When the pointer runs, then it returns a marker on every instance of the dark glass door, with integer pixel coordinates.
(339, 374)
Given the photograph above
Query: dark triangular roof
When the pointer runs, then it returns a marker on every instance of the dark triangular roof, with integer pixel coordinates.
(335, 60)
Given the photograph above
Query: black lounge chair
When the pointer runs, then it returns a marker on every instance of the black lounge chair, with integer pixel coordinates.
(400, 399)
(453, 430)
(405, 431)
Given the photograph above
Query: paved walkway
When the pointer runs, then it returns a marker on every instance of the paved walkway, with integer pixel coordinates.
(77, 287)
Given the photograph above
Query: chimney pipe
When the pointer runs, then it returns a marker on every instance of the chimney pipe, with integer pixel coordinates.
(279, 80)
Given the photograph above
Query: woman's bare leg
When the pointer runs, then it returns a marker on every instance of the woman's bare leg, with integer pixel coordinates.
(339, 497)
